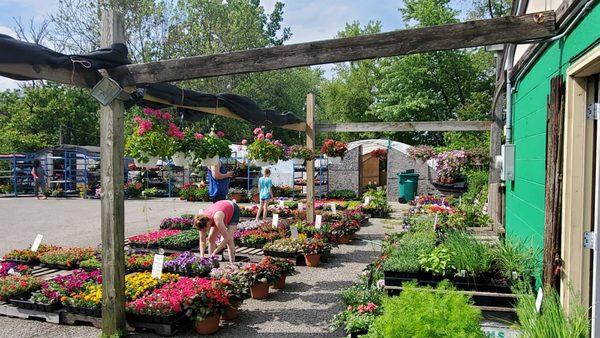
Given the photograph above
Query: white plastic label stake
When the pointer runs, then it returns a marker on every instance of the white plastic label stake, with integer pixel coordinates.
(281, 203)
(157, 266)
(333, 207)
(367, 200)
(294, 231)
(538, 300)
(318, 220)
(300, 206)
(36, 243)
(275, 220)
(435, 221)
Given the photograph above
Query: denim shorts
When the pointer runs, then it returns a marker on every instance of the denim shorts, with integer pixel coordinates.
(235, 219)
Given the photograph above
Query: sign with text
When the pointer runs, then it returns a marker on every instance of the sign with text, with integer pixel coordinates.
(36, 243)
(157, 266)
(275, 220)
(318, 220)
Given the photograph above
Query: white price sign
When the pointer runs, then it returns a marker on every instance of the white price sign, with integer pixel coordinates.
(294, 231)
(275, 220)
(367, 200)
(318, 220)
(36, 243)
(157, 266)
(281, 203)
(538, 300)
(334, 207)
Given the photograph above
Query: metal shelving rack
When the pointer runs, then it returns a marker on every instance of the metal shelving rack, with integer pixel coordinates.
(18, 176)
(321, 173)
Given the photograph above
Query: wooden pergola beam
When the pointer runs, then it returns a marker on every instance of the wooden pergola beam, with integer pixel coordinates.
(404, 126)
(85, 78)
(509, 29)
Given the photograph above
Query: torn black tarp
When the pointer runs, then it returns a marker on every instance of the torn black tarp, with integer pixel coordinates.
(193, 104)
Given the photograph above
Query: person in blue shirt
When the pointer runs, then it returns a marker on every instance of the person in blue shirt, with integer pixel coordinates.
(218, 182)
(265, 185)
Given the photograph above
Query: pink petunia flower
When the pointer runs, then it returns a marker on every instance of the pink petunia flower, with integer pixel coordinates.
(167, 116)
(261, 136)
(269, 135)
(257, 131)
(198, 136)
(220, 133)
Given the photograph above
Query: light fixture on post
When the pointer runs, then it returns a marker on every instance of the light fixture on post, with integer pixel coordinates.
(106, 90)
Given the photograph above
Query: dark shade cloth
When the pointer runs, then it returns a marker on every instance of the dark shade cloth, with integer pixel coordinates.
(20, 52)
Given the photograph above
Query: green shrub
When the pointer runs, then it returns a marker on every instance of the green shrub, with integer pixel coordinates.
(344, 194)
(468, 253)
(438, 261)
(184, 240)
(419, 313)
(551, 322)
(478, 187)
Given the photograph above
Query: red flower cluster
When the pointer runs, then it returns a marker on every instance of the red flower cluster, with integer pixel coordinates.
(152, 237)
(333, 148)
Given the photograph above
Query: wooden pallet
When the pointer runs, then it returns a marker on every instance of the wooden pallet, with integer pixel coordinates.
(13, 311)
(248, 251)
(48, 273)
(76, 318)
(167, 330)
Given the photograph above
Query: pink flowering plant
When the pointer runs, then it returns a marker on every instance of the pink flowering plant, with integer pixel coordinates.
(356, 319)
(265, 148)
(301, 152)
(151, 239)
(58, 288)
(449, 164)
(421, 153)
(209, 145)
(155, 134)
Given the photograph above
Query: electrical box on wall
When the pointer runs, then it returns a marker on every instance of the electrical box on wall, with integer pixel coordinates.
(508, 162)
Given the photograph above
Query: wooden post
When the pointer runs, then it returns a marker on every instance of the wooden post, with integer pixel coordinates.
(112, 218)
(554, 152)
(494, 196)
(310, 168)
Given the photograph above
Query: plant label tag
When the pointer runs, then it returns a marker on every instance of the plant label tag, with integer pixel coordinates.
(36, 243)
(294, 231)
(435, 221)
(157, 266)
(300, 206)
(538, 300)
(515, 275)
(281, 203)
(463, 273)
(318, 220)
(367, 200)
(200, 212)
(275, 220)
(334, 208)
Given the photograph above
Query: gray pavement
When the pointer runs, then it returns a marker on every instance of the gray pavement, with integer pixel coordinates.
(303, 309)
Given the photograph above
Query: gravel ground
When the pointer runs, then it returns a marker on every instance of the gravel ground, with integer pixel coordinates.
(303, 309)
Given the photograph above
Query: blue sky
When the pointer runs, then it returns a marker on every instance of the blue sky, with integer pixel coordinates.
(309, 20)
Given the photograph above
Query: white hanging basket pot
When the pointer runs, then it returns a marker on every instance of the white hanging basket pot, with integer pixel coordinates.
(334, 160)
(152, 160)
(261, 163)
(209, 162)
(298, 161)
(180, 160)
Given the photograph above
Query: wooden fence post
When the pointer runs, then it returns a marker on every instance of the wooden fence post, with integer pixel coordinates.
(112, 204)
(310, 167)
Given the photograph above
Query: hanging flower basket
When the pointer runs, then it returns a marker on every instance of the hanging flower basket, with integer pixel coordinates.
(334, 160)
(180, 160)
(211, 161)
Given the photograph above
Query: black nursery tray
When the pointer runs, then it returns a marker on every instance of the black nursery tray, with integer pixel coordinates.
(156, 319)
(17, 261)
(23, 302)
(288, 255)
(84, 311)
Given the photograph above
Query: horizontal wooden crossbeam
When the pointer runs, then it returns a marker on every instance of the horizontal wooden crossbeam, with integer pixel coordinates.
(509, 29)
(405, 126)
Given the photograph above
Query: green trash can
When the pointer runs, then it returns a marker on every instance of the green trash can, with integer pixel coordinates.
(407, 182)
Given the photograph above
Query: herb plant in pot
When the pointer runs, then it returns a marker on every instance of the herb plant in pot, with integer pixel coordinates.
(209, 148)
(334, 150)
(265, 151)
(300, 154)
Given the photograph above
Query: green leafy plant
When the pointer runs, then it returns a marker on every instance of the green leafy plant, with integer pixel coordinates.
(361, 294)
(184, 240)
(516, 257)
(437, 261)
(403, 256)
(552, 321)
(468, 253)
(150, 192)
(344, 194)
(421, 313)
(264, 148)
(154, 135)
(209, 145)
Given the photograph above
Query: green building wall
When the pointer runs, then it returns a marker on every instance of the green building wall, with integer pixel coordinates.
(525, 195)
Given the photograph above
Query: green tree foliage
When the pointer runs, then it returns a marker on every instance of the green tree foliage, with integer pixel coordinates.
(34, 118)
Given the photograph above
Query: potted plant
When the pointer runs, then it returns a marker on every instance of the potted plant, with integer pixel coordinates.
(238, 194)
(210, 147)
(284, 268)
(259, 277)
(208, 304)
(313, 249)
(264, 150)
(232, 279)
(421, 153)
(334, 150)
(284, 248)
(155, 137)
(449, 166)
(300, 154)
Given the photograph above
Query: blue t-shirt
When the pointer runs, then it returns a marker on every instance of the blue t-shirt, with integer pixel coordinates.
(264, 185)
(218, 187)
